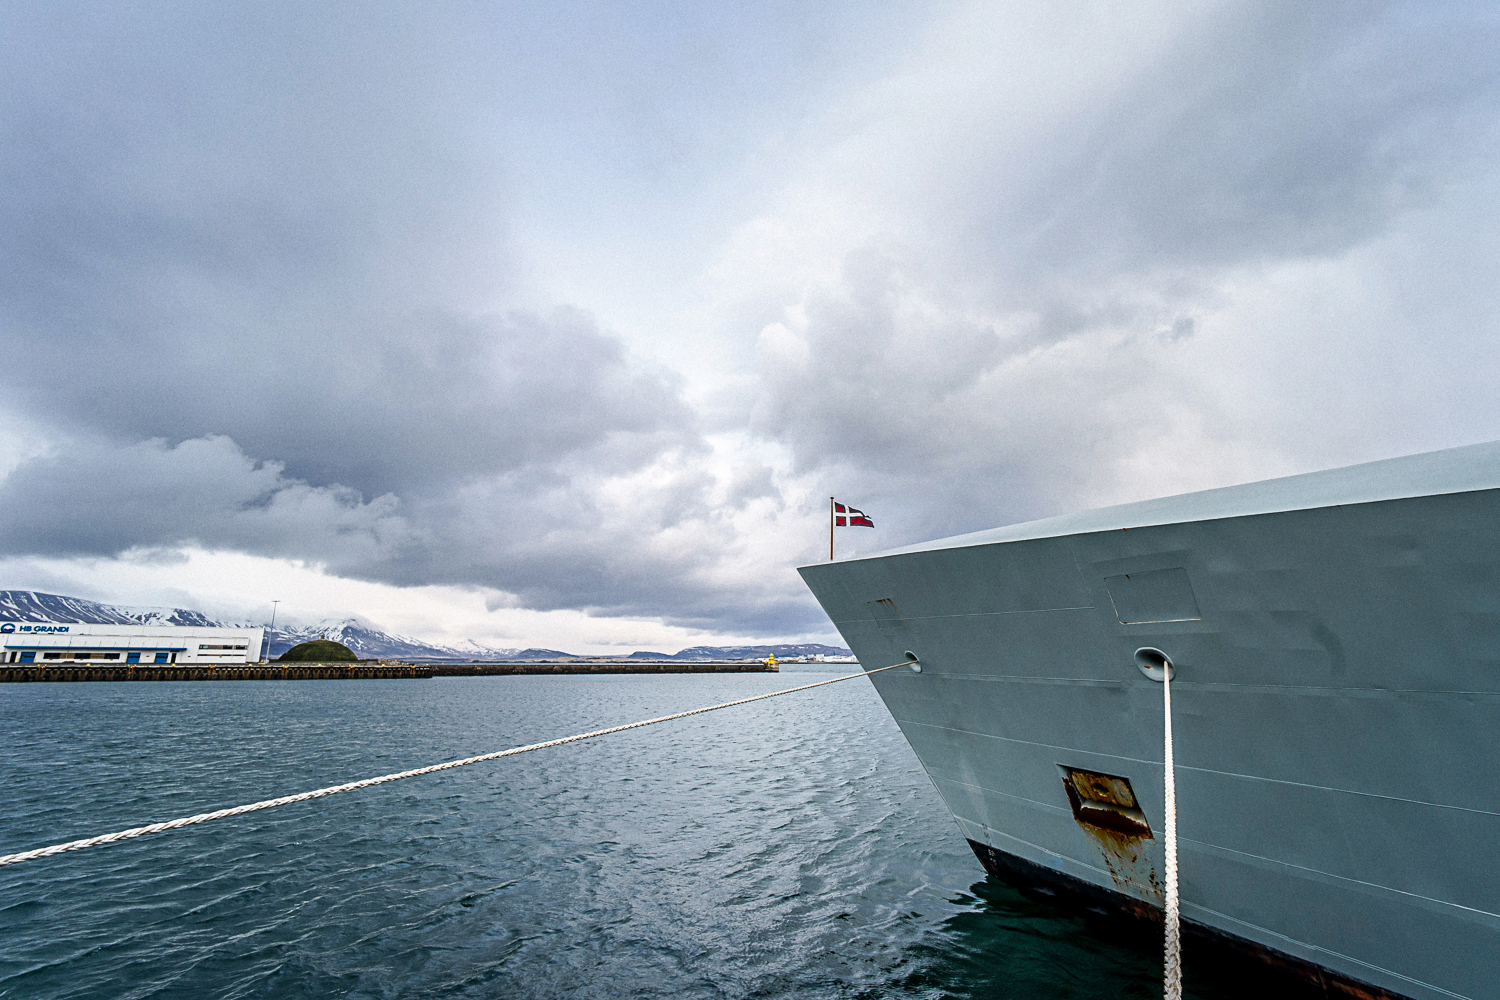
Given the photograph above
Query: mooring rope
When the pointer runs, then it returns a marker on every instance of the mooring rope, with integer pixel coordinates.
(175, 824)
(1173, 976)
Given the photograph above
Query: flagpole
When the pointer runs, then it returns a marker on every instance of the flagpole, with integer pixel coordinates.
(830, 529)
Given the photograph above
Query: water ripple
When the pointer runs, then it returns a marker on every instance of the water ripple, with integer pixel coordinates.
(785, 849)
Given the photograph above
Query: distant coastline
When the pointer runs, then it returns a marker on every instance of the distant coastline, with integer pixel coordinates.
(366, 670)
(369, 643)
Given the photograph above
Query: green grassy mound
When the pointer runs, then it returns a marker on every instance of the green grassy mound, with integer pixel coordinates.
(317, 651)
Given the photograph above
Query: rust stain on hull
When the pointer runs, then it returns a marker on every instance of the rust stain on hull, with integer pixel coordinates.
(1126, 861)
(1106, 809)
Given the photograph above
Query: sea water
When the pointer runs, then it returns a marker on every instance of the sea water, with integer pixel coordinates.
(790, 848)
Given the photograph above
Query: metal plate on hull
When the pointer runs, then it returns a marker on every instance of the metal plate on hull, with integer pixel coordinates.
(1162, 595)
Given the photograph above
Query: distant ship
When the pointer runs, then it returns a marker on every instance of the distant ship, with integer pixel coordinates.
(1335, 646)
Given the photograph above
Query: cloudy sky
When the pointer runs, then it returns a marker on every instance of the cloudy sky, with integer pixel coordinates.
(557, 324)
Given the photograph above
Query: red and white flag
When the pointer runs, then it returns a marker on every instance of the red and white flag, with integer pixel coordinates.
(845, 516)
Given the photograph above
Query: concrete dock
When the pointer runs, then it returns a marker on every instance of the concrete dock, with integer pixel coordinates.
(32, 673)
(601, 667)
(237, 672)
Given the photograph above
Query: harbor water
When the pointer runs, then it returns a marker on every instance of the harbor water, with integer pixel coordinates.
(790, 848)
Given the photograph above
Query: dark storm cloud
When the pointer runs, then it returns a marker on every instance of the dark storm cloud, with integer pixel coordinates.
(205, 491)
(253, 255)
(270, 228)
(543, 536)
(412, 403)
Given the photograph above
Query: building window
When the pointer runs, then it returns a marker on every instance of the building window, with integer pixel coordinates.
(205, 646)
(106, 656)
(81, 656)
(47, 656)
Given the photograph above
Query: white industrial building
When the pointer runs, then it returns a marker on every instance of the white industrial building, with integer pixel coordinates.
(45, 642)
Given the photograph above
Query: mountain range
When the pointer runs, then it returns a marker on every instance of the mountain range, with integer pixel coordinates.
(366, 641)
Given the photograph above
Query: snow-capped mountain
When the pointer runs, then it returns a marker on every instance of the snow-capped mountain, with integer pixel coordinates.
(32, 606)
(783, 650)
(370, 643)
(365, 641)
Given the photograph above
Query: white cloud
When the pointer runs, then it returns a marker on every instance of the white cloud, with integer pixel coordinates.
(238, 587)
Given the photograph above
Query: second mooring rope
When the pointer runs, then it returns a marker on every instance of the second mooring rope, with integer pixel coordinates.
(141, 831)
(1173, 990)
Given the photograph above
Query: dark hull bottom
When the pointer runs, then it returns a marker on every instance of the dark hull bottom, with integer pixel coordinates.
(1262, 971)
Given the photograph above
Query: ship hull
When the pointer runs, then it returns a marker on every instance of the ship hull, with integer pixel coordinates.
(1336, 705)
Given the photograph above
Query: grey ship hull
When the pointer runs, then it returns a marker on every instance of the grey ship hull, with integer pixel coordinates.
(1336, 639)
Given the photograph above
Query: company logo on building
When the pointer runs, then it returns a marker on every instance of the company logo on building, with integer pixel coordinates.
(8, 627)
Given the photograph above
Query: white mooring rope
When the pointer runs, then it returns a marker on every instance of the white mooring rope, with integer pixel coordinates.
(1173, 975)
(141, 831)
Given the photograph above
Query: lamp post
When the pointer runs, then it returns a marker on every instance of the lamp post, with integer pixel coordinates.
(271, 628)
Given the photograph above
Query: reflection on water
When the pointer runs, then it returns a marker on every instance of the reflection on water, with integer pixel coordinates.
(1003, 944)
(792, 848)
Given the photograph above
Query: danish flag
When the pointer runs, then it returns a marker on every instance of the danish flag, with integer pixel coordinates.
(847, 517)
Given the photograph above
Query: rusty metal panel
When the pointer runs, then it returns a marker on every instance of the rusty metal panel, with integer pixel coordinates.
(1106, 809)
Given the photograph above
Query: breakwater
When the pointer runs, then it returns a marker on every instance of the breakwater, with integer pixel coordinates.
(600, 667)
(14, 673)
(235, 672)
